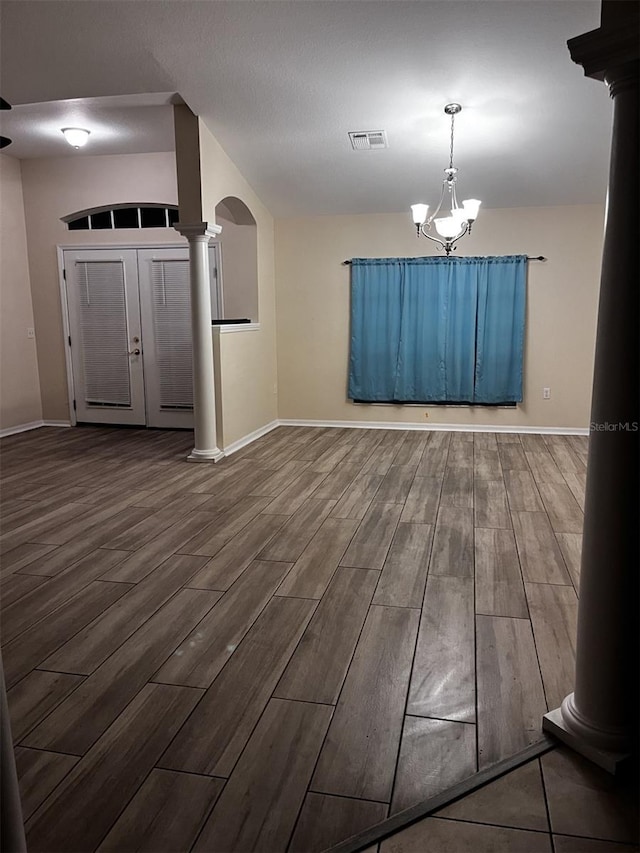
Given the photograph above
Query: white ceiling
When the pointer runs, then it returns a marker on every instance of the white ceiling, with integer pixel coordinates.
(126, 124)
(281, 83)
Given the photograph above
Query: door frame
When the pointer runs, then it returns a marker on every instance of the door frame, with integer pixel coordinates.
(64, 304)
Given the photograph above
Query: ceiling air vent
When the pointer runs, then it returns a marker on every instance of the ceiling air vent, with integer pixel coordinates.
(367, 140)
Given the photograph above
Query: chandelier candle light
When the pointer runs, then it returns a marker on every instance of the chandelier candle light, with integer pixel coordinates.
(460, 220)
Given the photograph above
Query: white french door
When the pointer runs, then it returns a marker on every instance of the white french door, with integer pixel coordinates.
(130, 335)
(165, 311)
(105, 336)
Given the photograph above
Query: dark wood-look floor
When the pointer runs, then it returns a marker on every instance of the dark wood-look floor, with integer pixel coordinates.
(280, 650)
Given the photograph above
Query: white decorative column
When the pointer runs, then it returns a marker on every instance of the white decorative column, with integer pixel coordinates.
(11, 824)
(600, 719)
(204, 395)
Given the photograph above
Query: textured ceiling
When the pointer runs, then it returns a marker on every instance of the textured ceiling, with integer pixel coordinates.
(125, 124)
(281, 83)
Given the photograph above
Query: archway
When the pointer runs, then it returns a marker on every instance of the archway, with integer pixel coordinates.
(239, 259)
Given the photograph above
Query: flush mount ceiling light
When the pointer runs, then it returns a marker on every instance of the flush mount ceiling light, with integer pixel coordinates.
(76, 136)
(450, 228)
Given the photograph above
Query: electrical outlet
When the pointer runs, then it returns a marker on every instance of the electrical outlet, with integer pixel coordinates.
(31, 333)
(546, 393)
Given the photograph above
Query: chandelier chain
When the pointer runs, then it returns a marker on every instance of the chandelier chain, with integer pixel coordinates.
(451, 149)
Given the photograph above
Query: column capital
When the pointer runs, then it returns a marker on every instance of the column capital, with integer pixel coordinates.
(198, 231)
(614, 45)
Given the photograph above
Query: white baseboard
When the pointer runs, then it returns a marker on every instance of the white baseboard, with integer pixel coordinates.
(33, 425)
(437, 427)
(247, 439)
(20, 428)
(258, 433)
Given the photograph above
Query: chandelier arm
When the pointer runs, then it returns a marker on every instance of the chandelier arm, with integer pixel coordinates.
(447, 245)
(454, 197)
(465, 230)
(453, 243)
(437, 210)
(437, 240)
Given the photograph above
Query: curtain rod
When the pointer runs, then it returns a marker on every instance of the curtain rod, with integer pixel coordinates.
(538, 258)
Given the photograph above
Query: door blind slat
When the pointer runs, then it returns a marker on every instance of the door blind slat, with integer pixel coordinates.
(103, 330)
(172, 332)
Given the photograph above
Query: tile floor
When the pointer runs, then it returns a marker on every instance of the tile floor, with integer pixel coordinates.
(559, 803)
(280, 650)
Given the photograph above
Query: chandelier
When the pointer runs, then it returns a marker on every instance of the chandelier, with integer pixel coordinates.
(450, 228)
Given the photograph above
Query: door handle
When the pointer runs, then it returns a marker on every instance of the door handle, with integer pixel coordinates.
(134, 352)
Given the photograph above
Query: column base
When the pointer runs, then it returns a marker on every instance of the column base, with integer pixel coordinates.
(609, 760)
(214, 455)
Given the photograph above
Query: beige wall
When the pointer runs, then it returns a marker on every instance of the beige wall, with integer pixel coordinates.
(238, 245)
(313, 311)
(309, 381)
(57, 187)
(19, 384)
(248, 371)
(189, 180)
